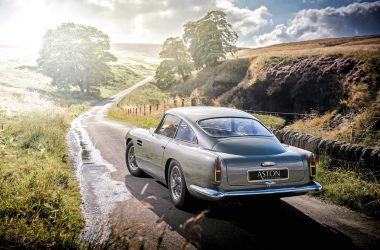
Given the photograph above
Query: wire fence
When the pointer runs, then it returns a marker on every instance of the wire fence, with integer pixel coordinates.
(158, 108)
(348, 134)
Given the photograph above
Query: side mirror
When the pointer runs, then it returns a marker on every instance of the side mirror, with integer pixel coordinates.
(151, 131)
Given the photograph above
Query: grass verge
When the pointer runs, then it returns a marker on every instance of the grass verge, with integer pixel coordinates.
(39, 198)
(142, 121)
(148, 94)
(271, 121)
(357, 190)
(123, 77)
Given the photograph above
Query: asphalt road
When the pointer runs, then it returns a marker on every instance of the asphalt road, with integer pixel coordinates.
(114, 198)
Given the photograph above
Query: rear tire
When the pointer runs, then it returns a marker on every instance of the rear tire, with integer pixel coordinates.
(130, 159)
(177, 186)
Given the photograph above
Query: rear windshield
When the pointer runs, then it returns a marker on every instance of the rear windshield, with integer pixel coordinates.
(232, 126)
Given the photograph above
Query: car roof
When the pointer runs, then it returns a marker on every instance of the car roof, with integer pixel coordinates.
(197, 113)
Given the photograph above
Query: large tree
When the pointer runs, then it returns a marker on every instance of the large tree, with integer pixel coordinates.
(166, 75)
(210, 39)
(76, 55)
(177, 63)
(174, 49)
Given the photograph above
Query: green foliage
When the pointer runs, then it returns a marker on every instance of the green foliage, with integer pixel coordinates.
(122, 77)
(177, 63)
(166, 75)
(76, 55)
(175, 49)
(210, 39)
(212, 82)
(149, 121)
(148, 94)
(271, 121)
(39, 198)
(358, 190)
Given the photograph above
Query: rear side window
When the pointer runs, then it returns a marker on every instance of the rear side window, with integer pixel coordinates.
(168, 126)
(232, 126)
(185, 133)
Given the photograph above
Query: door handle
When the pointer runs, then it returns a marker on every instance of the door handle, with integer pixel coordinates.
(163, 147)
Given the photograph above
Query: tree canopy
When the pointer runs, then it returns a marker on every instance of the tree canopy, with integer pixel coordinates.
(175, 49)
(210, 39)
(166, 74)
(177, 63)
(76, 55)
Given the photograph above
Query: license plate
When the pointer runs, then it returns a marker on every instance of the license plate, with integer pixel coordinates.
(268, 174)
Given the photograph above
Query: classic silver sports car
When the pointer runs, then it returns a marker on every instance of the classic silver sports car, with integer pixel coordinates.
(212, 153)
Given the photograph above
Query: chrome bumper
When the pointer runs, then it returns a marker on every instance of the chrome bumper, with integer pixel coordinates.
(217, 195)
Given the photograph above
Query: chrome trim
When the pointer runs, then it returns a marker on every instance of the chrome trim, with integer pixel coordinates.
(264, 169)
(234, 136)
(267, 164)
(217, 195)
(196, 138)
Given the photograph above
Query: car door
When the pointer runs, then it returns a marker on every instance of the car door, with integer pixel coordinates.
(184, 148)
(155, 145)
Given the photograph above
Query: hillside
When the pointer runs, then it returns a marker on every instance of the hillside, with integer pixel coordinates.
(338, 78)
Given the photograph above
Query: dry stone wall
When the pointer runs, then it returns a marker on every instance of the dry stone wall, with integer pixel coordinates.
(342, 152)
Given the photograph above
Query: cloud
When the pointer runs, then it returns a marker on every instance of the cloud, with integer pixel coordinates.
(354, 19)
(102, 3)
(163, 19)
(149, 21)
(245, 21)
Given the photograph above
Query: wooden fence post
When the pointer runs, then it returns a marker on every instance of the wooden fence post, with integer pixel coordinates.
(150, 109)
(157, 107)
(144, 110)
(183, 102)
(175, 102)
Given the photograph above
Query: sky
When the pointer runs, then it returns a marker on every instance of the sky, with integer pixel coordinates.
(257, 22)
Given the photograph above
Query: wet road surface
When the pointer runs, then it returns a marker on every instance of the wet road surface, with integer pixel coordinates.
(113, 197)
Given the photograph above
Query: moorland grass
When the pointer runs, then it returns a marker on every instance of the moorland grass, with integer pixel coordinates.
(356, 189)
(148, 121)
(123, 77)
(271, 121)
(39, 198)
(148, 94)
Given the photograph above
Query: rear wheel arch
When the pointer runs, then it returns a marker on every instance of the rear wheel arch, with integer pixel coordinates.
(167, 164)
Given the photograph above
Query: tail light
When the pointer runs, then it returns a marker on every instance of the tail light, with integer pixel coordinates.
(218, 171)
(313, 166)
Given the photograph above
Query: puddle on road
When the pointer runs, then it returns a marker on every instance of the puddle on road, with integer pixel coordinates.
(100, 193)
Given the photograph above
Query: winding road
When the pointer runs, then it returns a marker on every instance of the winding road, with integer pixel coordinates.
(114, 199)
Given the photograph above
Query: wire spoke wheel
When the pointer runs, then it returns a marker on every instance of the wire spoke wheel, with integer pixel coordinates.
(132, 159)
(176, 183)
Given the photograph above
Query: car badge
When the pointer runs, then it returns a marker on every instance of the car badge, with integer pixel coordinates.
(267, 164)
(269, 183)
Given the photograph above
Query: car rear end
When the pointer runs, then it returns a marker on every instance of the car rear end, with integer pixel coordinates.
(260, 166)
(252, 162)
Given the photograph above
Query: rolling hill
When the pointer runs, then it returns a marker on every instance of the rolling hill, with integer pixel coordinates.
(337, 80)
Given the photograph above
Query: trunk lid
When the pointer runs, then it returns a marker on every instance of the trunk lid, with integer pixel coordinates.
(249, 154)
